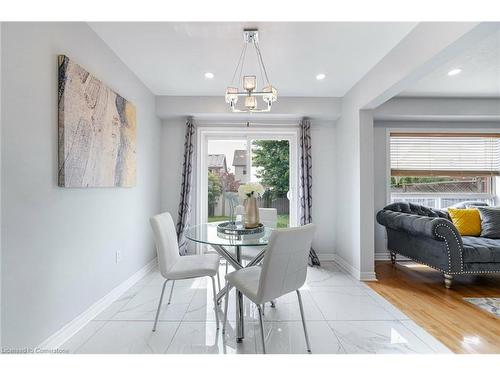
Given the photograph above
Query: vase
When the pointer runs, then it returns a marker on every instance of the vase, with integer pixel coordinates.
(251, 213)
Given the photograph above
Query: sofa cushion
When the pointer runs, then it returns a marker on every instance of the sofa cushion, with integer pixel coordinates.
(481, 250)
(466, 220)
(469, 204)
(490, 221)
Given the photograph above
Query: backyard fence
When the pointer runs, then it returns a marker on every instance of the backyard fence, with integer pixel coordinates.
(221, 208)
(282, 205)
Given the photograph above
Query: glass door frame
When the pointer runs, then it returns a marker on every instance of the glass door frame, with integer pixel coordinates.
(206, 133)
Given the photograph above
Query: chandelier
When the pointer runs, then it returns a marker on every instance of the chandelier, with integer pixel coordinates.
(269, 94)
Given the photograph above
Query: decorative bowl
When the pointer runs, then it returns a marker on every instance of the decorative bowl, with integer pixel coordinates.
(230, 228)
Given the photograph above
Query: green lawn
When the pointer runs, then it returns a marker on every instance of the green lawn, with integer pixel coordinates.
(211, 219)
(282, 220)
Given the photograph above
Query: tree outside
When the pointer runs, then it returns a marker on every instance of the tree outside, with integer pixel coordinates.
(272, 161)
(271, 158)
(228, 181)
(214, 191)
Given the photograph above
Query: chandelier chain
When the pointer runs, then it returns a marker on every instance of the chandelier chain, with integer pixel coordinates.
(260, 69)
(262, 61)
(238, 65)
(243, 62)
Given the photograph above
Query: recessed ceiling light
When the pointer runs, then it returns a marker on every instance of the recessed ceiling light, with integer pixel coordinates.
(320, 76)
(209, 75)
(454, 72)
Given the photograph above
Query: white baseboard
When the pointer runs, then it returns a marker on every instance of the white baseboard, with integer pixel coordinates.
(368, 276)
(65, 333)
(362, 276)
(326, 257)
(383, 256)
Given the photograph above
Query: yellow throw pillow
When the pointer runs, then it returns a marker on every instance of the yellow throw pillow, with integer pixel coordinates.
(466, 220)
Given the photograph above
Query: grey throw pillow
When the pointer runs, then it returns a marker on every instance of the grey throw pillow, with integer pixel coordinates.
(490, 221)
(475, 204)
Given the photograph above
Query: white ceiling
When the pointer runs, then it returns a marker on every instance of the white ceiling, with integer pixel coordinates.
(480, 76)
(171, 58)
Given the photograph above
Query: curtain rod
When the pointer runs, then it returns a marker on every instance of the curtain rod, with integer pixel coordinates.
(246, 123)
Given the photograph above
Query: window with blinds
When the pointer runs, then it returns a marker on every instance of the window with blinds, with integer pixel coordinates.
(445, 154)
(442, 169)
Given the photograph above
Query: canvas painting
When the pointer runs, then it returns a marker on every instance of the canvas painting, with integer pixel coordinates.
(97, 131)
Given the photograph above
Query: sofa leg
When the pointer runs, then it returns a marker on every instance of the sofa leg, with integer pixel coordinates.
(393, 257)
(448, 280)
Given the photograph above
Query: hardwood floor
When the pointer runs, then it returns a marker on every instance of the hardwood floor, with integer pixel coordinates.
(419, 292)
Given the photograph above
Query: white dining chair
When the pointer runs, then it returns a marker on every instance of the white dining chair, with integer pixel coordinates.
(283, 270)
(175, 267)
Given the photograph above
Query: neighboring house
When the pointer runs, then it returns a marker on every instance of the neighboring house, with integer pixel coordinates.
(217, 163)
(240, 166)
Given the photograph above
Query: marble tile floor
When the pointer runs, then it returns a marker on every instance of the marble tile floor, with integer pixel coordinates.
(343, 315)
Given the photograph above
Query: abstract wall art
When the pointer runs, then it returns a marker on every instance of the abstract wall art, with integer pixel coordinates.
(97, 131)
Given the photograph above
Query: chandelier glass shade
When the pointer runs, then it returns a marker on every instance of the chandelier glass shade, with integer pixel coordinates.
(268, 93)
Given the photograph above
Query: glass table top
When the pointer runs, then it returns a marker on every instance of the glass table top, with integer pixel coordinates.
(207, 233)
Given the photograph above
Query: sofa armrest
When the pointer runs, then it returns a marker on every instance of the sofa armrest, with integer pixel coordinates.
(435, 228)
(414, 224)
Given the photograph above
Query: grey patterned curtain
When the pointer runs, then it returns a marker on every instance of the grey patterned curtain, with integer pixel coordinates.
(305, 181)
(187, 182)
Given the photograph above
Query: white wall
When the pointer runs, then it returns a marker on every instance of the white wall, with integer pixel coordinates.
(380, 183)
(323, 192)
(347, 204)
(439, 109)
(382, 161)
(59, 244)
(215, 107)
(173, 132)
(323, 141)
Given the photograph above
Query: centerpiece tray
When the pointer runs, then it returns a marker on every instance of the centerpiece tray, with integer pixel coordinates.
(230, 228)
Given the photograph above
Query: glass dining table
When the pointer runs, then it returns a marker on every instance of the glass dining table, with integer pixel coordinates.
(207, 234)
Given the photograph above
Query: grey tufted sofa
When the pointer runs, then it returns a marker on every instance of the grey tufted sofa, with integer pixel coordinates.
(428, 236)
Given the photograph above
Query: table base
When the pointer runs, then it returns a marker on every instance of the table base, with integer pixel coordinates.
(236, 263)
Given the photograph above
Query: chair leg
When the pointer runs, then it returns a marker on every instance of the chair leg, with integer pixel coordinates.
(215, 303)
(303, 321)
(227, 265)
(159, 304)
(171, 292)
(226, 304)
(261, 321)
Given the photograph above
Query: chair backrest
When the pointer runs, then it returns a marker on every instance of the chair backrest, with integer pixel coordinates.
(269, 217)
(284, 267)
(165, 236)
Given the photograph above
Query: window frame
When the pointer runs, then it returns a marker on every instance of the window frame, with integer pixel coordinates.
(491, 196)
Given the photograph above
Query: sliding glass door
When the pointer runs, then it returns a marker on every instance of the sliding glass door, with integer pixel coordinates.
(231, 157)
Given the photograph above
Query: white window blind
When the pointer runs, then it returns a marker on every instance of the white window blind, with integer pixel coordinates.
(444, 154)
